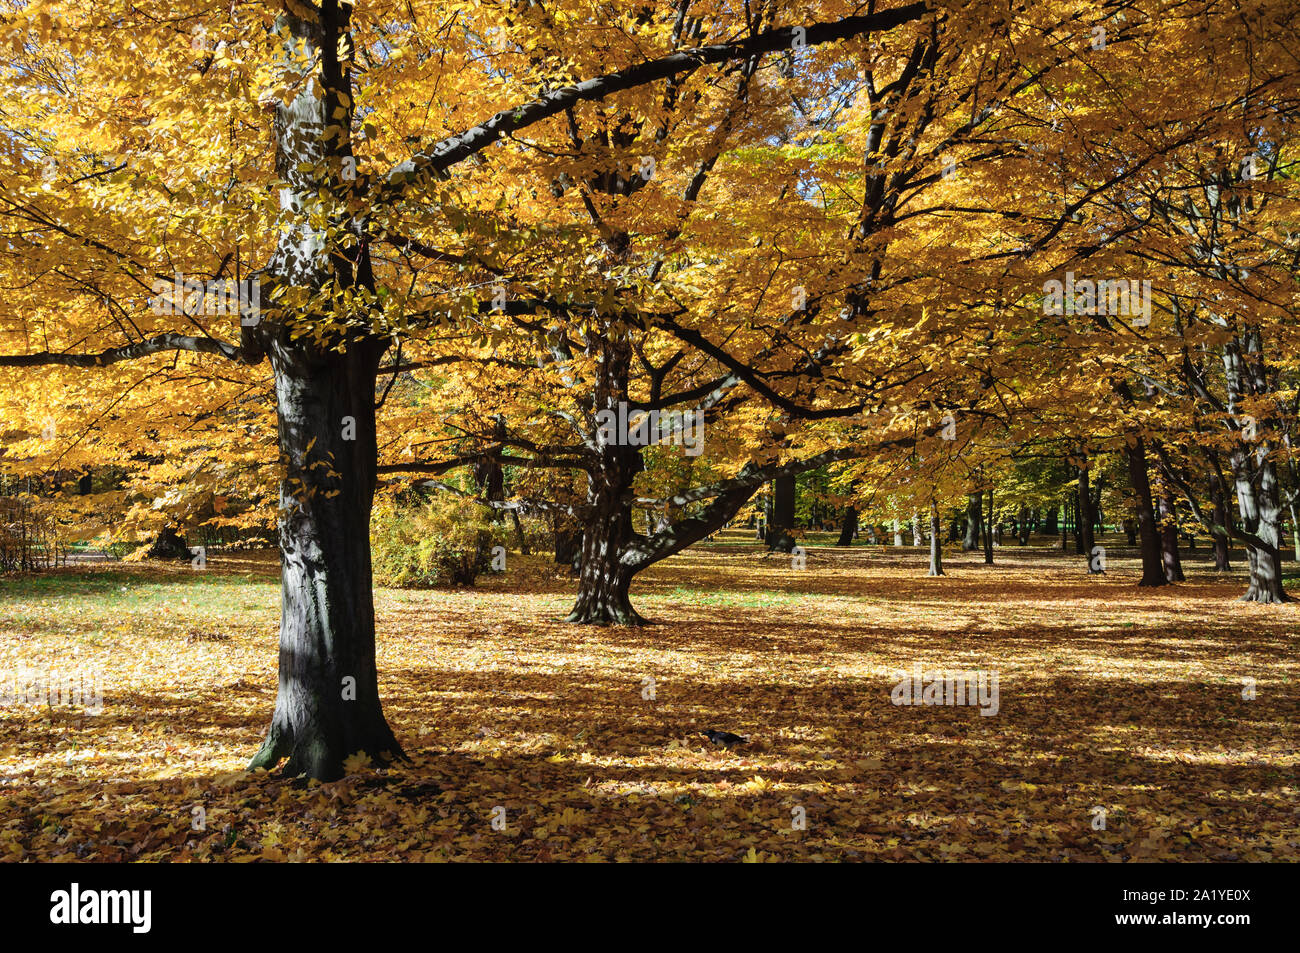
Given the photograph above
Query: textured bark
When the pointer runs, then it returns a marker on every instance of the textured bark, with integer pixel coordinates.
(606, 573)
(327, 707)
(1254, 472)
(328, 703)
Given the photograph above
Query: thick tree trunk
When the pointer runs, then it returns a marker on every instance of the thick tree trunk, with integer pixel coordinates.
(974, 521)
(898, 532)
(917, 535)
(1153, 573)
(780, 534)
(936, 547)
(606, 574)
(169, 544)
(849, 527)
(1023, 526)
(1255, 475)
(328, 704)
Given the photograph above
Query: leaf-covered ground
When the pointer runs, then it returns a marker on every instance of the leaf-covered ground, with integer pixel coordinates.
(1110, 697)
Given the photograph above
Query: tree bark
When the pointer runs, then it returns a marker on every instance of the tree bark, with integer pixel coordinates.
(1153, 573)
(936, 547)
(780, 534)
(849, 526)
(1218, 501)
(974, 521)
(1089, 541)
(328, 704)
(1169, 558)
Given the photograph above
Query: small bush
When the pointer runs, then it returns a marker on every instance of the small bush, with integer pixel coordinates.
(445, 542)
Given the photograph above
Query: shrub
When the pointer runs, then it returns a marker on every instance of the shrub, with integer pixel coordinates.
(445, 542)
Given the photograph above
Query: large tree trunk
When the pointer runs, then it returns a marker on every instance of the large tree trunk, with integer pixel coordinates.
(605, 576)
(849, 527)
(1153, 573)
(328, 703)
(1258, 502)
(974, 521)
(1254, 472)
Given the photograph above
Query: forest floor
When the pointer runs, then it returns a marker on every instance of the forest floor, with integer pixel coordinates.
(1110, 698)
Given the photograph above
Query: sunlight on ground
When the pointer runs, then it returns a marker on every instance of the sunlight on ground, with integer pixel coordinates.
(1109, 697)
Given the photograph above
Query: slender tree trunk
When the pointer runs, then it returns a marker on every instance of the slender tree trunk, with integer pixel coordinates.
(1153, 573)
(1085, 519)
(1169, 558)
(1295, 528)
(988, 532)
(974, 519)
(936, 547)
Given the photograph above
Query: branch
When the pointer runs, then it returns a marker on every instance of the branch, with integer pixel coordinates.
(154, 345)
(443, 155)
